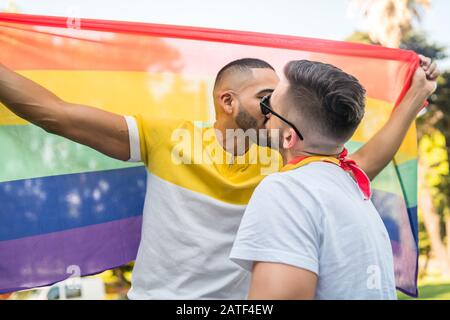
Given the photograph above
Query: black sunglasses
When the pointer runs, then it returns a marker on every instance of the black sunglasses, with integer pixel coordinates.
(266, 109)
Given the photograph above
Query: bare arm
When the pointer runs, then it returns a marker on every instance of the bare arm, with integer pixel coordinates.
(103, 131)
(376, 154)
(274, 281)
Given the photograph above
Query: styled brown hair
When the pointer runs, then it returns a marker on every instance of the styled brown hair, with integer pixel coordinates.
(327, 98)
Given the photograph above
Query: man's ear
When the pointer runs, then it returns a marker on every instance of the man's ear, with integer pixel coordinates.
(226, 102)
(289, 138)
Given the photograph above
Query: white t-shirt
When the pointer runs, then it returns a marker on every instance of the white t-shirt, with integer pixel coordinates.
(315, 218)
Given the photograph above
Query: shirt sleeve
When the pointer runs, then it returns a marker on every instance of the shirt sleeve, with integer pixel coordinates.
(145, 134)
(134, 139)
(282, 224)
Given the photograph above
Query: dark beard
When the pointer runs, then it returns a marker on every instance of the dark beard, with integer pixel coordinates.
(263, 138)
(245, 121)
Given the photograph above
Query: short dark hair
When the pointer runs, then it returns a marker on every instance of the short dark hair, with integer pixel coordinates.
(327, 97)
(242, 65)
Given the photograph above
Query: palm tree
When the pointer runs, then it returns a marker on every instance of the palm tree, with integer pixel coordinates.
(392, 23)
(390, 20)
(11, 7)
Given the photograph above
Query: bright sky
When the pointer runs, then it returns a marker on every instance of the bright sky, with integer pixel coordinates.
(326, 19)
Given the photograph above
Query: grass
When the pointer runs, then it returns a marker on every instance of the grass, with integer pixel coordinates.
(432, 287)
(437, 291)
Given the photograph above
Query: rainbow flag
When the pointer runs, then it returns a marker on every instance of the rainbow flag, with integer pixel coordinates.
(65, 205)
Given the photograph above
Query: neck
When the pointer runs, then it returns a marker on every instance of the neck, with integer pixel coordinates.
(289, 155)
(231, 143)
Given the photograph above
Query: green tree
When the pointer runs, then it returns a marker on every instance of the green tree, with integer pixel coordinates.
(434, 153)
(434, 141)
(389, 20)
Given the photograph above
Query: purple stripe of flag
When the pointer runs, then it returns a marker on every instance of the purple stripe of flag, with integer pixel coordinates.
(44, 259)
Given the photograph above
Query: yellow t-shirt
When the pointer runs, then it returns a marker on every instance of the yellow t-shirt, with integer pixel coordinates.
(196, 196)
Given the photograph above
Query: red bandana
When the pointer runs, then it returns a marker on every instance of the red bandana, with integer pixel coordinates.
(342, 161)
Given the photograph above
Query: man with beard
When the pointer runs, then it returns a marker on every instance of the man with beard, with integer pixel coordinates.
(197, 188)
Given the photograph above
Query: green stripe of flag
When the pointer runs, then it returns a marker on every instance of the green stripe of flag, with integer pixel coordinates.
(27, 151)
(388, 180)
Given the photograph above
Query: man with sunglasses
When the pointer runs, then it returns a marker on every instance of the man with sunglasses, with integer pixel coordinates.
(267, 110)
(311, 230)
(192, 209)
